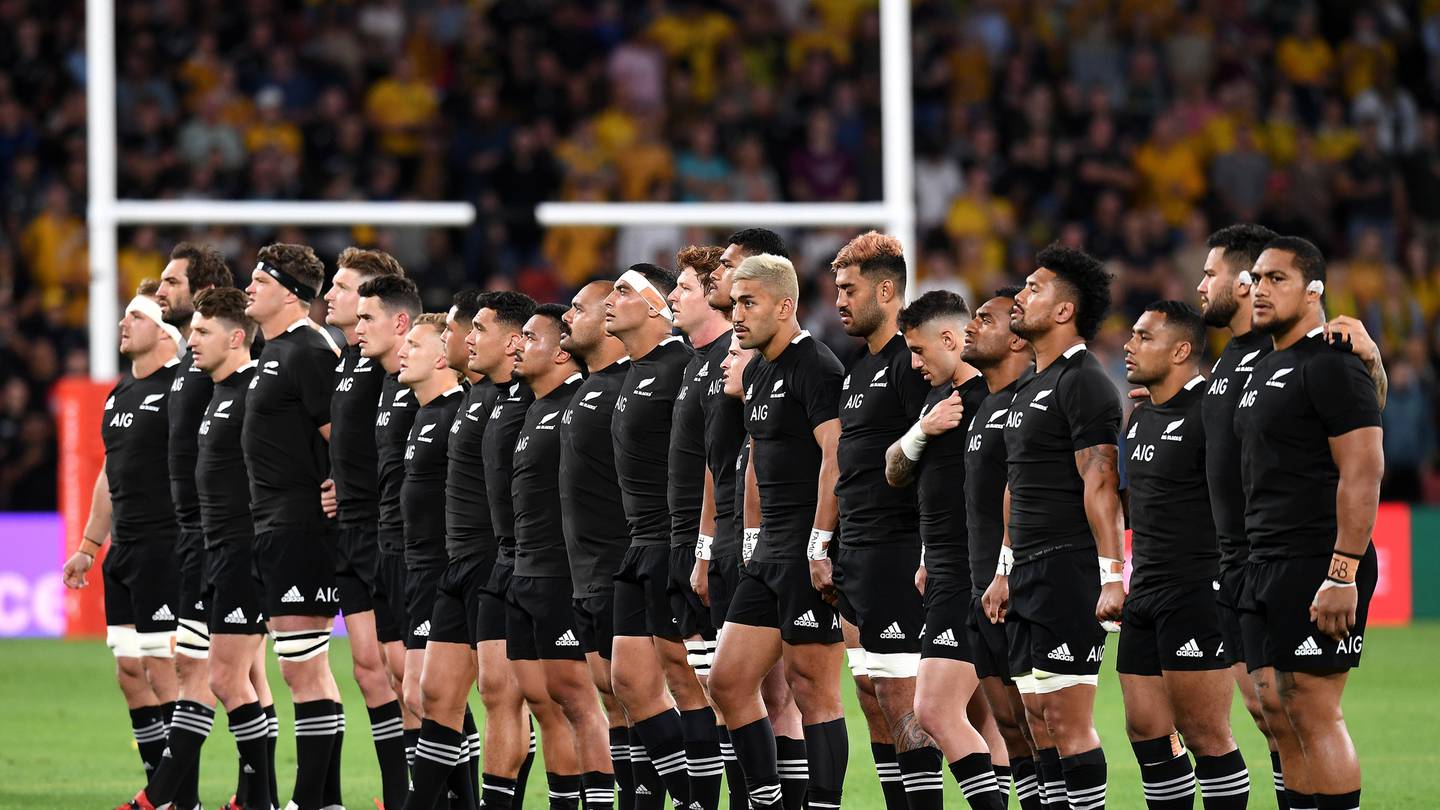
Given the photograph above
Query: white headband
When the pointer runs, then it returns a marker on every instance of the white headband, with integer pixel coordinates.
(652, 296)
(148, 307)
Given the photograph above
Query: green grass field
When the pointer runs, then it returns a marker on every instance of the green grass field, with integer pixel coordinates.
(67, 738)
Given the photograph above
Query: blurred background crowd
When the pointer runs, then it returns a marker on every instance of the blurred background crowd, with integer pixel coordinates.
(1131, 128)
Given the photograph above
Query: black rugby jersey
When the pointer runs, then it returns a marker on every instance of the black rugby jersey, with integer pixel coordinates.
(501, 431)
(785, 400)
(535, 486)
(986, 472)
(724, 434)
(880, 399)
(940, 485)
(189, 394)
(1068, 407)
(394, 415)
(468, 531)
(1172, 531)
(288, 403)
(135, 429)
(1295, 401)
(1222, 447)
(640, 429)
(741, 464)
(686, 492)
(422, 496)
(221, 480)
(353, 459)
(596, 533)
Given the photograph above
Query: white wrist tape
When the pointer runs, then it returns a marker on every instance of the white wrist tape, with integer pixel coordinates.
(748, 541)
(819, 547)
(1330, 583)
(912, 444)
(702, 547)
(1111, 570)
(1007, 561)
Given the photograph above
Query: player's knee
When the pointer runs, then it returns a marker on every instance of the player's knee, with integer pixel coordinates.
(813, 697)
(1207, 738)
(373, 680)
(934, 712)
(1139, 726)
(413, 694)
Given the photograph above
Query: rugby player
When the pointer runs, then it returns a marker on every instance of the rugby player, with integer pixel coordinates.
(385, 310)
(647, 650)
(1002, 357)
(458, 323)
(221, 338)
(1062, 509)
(437, 395)
(593, 517)
(691, 497)
(473, 549)
(354, 495)
(879, 551)
(931, 457)
(783, 605)
(722, 444)
(287, 423)
(541, 625)
(1308, 421)
(1171, 661)
(133, 506)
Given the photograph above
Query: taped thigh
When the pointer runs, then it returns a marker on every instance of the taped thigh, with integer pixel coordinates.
(892, 665)
(858, 660)
(700, 655)
(295, 646)
(160, 644)
(192, 638)
(123, 641)
(1047, 682)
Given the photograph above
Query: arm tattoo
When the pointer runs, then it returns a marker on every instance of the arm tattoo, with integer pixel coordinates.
(1382, 382)
(900, 471)
(1100, 458)
(909, 736)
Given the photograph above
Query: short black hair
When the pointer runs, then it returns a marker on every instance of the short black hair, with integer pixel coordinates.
(1087, 280)
(556, 313)
(396, 294)
(1308, 258)
(755, 241)
(1008, 291)
(1186, 320)
(204, 266)
(663, 278)
(511, 308)
(467, 303)
(928, 307)
(1242, 243)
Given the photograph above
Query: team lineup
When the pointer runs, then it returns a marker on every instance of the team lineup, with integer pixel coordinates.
(652, 524)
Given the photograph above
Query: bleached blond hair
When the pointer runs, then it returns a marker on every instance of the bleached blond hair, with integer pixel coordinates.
(775, 273)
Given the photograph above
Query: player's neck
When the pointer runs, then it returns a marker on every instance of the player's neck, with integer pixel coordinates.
(350, 337)
(473, 377)
(502, 375)
(433, 386)
(1007, 371)
(881, 337)
(153, 360)
(1174, 382)
(1051, 345)
(234, 359)
(275, 325)
(553, 378)
(784, 336)
(605, 354)
(1240, 322)
(642, 341)
(1297, 331)
(964, 372)
(709, 331)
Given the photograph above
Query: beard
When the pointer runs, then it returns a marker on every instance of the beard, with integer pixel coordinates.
(1220, 310)
(1276, 325)
(179, 316)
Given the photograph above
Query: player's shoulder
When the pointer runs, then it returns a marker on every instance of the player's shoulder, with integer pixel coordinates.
(1321, 357)
(807, 352)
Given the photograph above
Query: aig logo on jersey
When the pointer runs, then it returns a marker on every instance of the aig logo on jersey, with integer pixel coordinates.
(1035, 403)
(854, 401)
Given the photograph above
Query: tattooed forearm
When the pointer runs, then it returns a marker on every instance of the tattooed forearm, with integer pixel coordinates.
(909, 736)
(1382, 382)
(1100, 459)
(900, 471)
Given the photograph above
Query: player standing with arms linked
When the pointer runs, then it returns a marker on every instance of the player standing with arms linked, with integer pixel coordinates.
(1062, 509)
(783, 605)
(1308, 421)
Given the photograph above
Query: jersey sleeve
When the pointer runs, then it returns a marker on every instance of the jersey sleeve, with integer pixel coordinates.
(818, 384)
(1341, 391)
(1089, 400)
(315, 380)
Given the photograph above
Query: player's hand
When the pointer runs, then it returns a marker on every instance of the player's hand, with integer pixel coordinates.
(1345, 329)
(822, 579)
(920, 580)
(944, 417)
(996, 600)
(1112, 602)
(1139, 393)
(328, 501)
(76, 568)
(700, 581)
(1333, 610)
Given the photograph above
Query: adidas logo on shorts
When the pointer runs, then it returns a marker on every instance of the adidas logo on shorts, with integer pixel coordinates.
(946, 639)
(199, 605)
(807, 619)
(567, 639)
(163, 615)
(1061, 653)
(292, 595)
(893, 631)
(236, 616)
(1190, 650)
(1308, 646)
(641, 790)
(424, 629)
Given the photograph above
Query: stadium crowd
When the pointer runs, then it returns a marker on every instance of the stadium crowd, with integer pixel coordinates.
(1131, 129)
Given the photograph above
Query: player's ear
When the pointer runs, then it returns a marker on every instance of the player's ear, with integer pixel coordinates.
(1064, 312)
(1181, 352)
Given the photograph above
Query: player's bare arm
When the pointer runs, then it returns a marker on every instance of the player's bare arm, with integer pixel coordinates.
(1347, 329)
(700, 574)
(1100, 471)
(827, 508)
(97, 528)
(996, 599)
(1361, 461)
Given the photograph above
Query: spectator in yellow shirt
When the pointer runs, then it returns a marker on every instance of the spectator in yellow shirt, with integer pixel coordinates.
(646, 162)
(54, 248)
(139, 259)
(1172, 178)
(979, 215)
(272, 131)
(1365, 57)
(402, 108)
(1303, 56)
(693, 36)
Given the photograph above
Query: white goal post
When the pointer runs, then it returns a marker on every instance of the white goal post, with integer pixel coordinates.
(106, 212)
